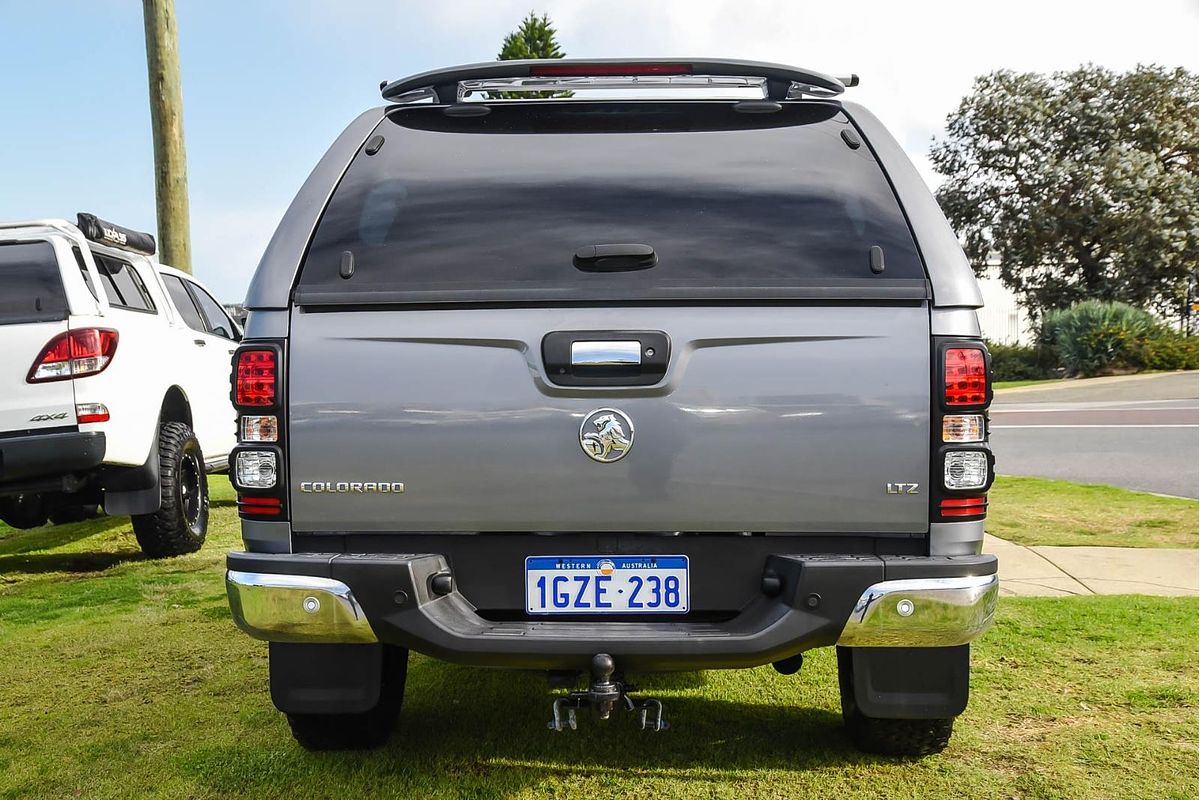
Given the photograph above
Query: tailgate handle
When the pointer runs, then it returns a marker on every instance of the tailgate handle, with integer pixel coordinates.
(606, 358)
(606, 354)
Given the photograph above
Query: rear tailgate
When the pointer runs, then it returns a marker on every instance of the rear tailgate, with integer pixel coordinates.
(769, 419)
(783, 276)
(33, 310)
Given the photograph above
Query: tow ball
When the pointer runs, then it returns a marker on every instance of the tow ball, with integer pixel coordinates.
(603, 696)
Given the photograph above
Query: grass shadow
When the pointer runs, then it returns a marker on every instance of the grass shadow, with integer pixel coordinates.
(41, 563)
(468, 732)
(14, 541)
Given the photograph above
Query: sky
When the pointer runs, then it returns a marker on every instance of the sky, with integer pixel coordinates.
(269, 84)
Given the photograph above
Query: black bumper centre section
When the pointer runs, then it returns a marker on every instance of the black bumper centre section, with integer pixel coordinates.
(43, 455)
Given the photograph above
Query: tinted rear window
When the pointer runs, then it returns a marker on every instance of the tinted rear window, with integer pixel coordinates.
(184, 303)
(123, 285)
(495, 207)
(31, 288)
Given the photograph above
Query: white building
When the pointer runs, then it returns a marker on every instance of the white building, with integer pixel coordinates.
(1002, 319)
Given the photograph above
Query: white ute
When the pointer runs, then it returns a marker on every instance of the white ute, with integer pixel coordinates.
(114, 383)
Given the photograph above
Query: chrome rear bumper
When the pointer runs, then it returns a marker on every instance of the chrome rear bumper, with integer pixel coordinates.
(944, 611)
(296, 608)
(923, 612)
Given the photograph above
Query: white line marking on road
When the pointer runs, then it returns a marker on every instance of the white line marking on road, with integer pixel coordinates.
(1049, 409)
(999, 427)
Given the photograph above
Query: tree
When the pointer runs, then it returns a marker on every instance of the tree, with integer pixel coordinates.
(534, 38)
(1083, 182)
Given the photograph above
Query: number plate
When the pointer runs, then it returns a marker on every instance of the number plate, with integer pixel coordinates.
(606, 584)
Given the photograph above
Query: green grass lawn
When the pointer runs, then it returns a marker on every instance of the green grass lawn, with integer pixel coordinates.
(1040, 511)
(123, 677)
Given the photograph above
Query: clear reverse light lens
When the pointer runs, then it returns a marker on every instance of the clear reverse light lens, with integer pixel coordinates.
(260, 429)
(255, 469)
(960, 428)
(965, 469)
(91, 412)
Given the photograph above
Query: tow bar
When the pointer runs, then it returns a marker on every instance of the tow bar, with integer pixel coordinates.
(604, 695)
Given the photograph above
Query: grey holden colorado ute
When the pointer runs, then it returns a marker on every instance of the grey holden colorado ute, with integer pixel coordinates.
(681, 380)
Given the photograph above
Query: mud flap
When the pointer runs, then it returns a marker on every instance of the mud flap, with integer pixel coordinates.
(910, 682)
(325, 678)
(130, 491)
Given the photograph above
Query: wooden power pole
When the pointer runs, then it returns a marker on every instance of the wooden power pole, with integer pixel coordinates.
(166, 120)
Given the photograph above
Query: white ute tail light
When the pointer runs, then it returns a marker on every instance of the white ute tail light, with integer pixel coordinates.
(91, 412)
(74, 354)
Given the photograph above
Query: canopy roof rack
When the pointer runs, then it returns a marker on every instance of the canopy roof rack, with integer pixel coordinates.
(454, 84)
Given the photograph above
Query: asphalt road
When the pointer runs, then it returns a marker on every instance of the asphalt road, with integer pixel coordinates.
(1139, 432)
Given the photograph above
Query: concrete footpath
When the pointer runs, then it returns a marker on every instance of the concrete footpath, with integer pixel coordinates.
(1062, 571)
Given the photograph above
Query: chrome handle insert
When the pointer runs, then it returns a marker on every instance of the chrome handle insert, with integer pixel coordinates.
(606, 354)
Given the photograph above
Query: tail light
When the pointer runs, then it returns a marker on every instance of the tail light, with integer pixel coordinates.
(963, 428)
(257, 466)
(964, 506)
(256, 469)
(91, 412)
(964, 376)
(74, 354)
(962, 466)
(965, 469)
(256, 376)
(260, 506)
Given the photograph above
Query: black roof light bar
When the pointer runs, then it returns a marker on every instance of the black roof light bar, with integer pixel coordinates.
(454, 84)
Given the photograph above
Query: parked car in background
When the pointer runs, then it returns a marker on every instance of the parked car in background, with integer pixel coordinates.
(600, 387)
(114, 383)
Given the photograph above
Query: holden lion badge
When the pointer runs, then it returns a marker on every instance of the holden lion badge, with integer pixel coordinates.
(606, 435)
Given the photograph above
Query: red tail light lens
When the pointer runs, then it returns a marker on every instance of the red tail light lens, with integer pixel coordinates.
(964, 506)
(74, 354)
(606, 70)
(257, 373)
(261, 506)
(965, 370)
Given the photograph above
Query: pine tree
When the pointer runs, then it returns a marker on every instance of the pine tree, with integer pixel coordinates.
(534, 38)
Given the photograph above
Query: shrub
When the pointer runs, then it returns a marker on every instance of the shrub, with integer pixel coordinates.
(1169, 350)
(1014, 362)
(1094, 337)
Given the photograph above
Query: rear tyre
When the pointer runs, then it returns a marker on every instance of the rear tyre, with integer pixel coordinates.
(181, 522)
(364, 731)
(23, 511)
(912, 738)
